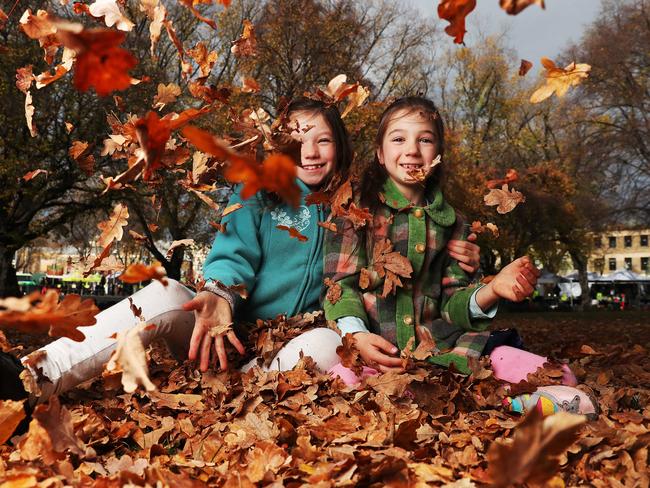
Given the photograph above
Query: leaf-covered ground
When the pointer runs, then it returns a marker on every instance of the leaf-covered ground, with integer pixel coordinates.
(428, 427)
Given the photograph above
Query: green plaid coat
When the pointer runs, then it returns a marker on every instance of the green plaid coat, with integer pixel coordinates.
(438, 287)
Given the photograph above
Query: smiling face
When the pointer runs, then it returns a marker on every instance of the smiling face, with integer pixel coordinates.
(318, 149)
(408, 151)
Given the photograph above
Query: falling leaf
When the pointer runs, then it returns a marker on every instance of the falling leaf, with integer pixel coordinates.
(455, 12)
(513, 7)
(111, 13)
(33, 174)
(511, 177)
(533, 455)
(506, 200)
(29, 115)
(130, 358)
(479, 228)
(207, 200)
(101, 63)
(219, 227)
(334, 290)
(249, 85)
(246, 45)
(293, 232)
(179, 243)
(80, 151)
(190, 4)
(47, 314)
(24, 78)
(524, 67)
(157, 14)
(365, 278)
(166, 94)
(204, 58)
(137, 272)
(113, 228)
(231, 208)
(559, 80)
(153, 134)
(359, 217)
(46, 78)
(11, 414)
(98, 260)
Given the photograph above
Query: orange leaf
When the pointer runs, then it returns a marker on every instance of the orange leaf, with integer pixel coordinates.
(219, 227)
(358, 216)
(113, 228)
(292, 232)
(11, 414)
(249, 85)
(33, 174)
(506, 200)
(153, 134)
(135, 273)
(24, 78)
(80, 152)
(331, 226)
(349, 354)
(559, 80)
(231, 208)
(318, 198)
(101, 63)
(98, 260)
(334, 291)
(513, 7)
(455, 12)
(246, 45)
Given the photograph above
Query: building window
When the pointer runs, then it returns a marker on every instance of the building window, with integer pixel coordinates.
(628, 263)
(644, 264)
(612, 264)
(598, 242)
(644, 240)
(599, 265)
(612, 241)
(628, 241)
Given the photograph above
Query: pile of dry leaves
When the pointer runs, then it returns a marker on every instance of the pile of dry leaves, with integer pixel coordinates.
(426, 427)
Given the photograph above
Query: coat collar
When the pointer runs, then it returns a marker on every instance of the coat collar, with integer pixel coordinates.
(438, 210)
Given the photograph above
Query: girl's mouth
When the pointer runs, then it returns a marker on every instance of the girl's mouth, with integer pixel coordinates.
(412, 167)
(313, 167)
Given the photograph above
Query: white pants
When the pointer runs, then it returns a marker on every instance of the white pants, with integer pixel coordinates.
(68, 363)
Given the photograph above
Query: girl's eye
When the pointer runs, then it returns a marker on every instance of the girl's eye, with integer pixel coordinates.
(397, 139)
(324, 141)
(426, 140)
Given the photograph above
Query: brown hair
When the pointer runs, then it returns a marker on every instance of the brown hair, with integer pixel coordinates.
(374, 175)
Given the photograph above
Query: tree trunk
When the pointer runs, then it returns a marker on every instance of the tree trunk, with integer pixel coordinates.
(173, 265)
(580, 263)
(8, 280)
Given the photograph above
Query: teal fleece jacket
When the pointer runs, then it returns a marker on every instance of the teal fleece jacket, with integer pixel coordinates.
(282, 274)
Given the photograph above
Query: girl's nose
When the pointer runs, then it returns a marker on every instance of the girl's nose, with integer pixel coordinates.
(412, 148)
(310, 150)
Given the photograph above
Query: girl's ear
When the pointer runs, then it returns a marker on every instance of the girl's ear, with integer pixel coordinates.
(380, 156)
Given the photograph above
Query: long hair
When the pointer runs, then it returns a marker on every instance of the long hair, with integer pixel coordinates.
(374, 175)
(339, 132)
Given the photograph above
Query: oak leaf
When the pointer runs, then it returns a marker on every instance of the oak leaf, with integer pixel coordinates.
(455, 12)
(204, 58)
(98, 260)
(137, 272)
(505, 199)
(113, 16)
(113, 228)
(390, 265)
(80, 151)
(349, 354)
(153, 134)
(334, 291)
(359, 217)
(11, 414)
(246, 45)
(511, 177)
(293, 232)
(57, 421)
(559, 80)
(318, 198)
(166, 94)
(24, 78)
(130, 358)
(179, 243)
(513, 7)
(331, 226)
(29, 115)
(533, 455)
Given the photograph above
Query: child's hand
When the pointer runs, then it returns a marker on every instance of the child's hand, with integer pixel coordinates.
(466, 253)
(378, 352)
(514, 282)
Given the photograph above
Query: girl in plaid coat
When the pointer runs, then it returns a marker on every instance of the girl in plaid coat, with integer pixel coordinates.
(398, 284)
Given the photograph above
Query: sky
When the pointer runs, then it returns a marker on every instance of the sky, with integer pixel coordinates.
(534, 32)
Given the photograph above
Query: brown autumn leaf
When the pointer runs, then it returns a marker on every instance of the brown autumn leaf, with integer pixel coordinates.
(250, 85)
(390, 265)
(334, 290)
(219, 227)
(511, 176)
(365, 278)
(392, 383)
(166, 94)
(24, 78)
(11, 414)
(190, 4)
(559, 80)
(231, 208)
(524, 67)
(349, 354)
(33, 174)
(111, 13)
(318, 198)
(153, 134)
(57, 421)
(340, 199)
(479, 228)
(137, 272)
(455, 12)
(206, 199)
(80, 151)
(38, 314)
(113, 228)
(293, 232)
(179, 243)
(533, 455)
(505, 199)
(359, 217)
(47, 77)
(204, 58)
(3, 22)
(29, 115)
(246, 45)
(513, 7)
(331, 226)
(130, 358)
(98, 260)
(100, 63)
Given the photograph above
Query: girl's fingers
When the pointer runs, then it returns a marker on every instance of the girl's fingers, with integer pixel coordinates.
(206, 343)
(467, 268)
(234, 340)
(221, 352)
(472, 237)
(380, 343)
(386, 369)
(195, 342)
(382, 359)
(193, 304)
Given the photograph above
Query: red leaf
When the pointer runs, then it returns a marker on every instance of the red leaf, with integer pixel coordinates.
(455, 12)
(292, 232)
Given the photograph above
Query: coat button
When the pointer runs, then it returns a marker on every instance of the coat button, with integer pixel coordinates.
(418, 212)
(420, 248)
(408, 320)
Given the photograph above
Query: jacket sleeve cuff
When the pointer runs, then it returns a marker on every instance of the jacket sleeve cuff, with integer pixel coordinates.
(346, 306)
(351, 325)
(224, 293)
(475, 311)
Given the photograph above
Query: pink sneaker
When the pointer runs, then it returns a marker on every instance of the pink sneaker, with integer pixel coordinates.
(551, 399)
(348, 376)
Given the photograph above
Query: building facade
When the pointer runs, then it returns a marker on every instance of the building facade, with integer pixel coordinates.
(615, 250)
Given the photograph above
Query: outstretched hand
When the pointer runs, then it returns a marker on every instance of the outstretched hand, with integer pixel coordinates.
(514, 282)
(466, 253)
(210, 310)
(377, 352)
